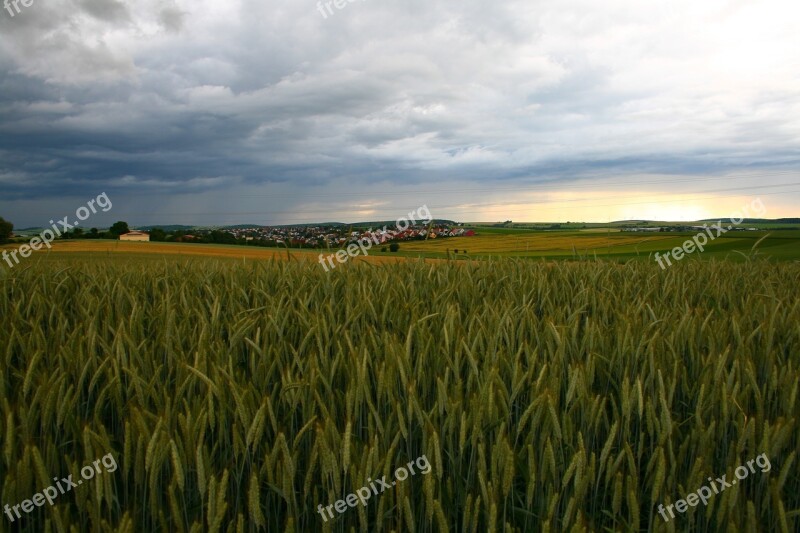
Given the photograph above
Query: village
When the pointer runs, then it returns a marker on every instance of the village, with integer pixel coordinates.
(320, 236)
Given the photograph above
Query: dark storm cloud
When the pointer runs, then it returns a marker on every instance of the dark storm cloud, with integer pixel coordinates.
(105, 10)
(264, 107)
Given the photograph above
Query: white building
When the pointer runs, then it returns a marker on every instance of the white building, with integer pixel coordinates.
(138, 236)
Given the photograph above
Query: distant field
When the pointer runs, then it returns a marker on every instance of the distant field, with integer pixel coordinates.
(489, 242)
(81, 248)
(779, 245)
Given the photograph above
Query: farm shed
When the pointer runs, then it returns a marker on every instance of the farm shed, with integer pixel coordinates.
(135, 236)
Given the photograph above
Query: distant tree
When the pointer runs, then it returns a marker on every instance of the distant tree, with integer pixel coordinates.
(94, 234)
(220, 237)
(77, 233)
(119, 228)
(394, 247)
(6, 230)
(158, 235)
(383, 249)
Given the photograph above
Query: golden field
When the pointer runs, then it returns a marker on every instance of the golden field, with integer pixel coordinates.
(108, 248)
(242, 395)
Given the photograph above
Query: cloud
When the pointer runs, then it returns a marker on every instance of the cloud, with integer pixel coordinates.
(106, 10)
(182, 99)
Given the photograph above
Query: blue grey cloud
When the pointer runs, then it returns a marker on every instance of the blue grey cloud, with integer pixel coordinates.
(268, 112)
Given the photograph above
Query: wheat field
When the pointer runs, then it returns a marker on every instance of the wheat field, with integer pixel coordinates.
(547, 396)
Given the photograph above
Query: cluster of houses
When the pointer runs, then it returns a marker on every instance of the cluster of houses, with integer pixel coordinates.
(333, 236)
(384, 236)
(312, 236)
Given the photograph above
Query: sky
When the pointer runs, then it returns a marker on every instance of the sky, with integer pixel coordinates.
(266, 112)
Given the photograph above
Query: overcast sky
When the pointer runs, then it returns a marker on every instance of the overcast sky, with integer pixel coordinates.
(198, 112)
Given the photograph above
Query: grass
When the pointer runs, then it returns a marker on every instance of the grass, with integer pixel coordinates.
(548, 396)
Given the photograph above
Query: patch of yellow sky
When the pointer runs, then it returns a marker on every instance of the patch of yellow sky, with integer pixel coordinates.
(611, 205)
